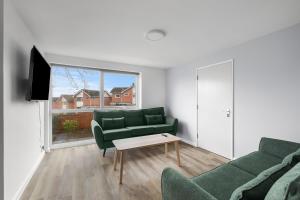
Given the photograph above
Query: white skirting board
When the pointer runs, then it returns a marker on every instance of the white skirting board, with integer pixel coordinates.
(189, 142)
(28, 178)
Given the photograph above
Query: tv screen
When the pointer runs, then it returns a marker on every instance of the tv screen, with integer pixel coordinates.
(39, 77)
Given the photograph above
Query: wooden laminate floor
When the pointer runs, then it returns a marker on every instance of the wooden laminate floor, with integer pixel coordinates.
(81, 173)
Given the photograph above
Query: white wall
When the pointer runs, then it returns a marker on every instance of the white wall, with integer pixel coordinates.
(267, 90)
(153, 79)
(21, 118)
(1, 105)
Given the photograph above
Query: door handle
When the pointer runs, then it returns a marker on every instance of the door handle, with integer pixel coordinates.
(228, 113)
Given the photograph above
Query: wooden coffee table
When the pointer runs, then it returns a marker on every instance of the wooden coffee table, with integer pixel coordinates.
(143, 141)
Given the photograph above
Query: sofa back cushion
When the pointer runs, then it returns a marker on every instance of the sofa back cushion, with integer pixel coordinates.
(292, 158)
(134, 117)
(287, 187)
(154, 111)
(258, 187)
(113, 123)
(98, 115)
(278, 148)
(154, 119)
(256, 162)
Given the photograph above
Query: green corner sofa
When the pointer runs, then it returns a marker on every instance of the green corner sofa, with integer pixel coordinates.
(111, 125)
(224, 181)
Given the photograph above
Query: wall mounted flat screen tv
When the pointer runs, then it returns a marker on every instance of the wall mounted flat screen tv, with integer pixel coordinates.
(39, 77)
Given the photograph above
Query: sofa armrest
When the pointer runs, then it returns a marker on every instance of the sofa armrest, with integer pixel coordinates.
(174, 122)
(174, 186)
(278, 148)
(98, 133)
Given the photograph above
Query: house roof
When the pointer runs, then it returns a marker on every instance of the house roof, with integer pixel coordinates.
(55, 99)
(107, 94)
(68, 97)
(127, 89)
(91, 93)
(118, 90)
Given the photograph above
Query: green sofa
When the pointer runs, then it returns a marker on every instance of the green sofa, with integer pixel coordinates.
(118, 124)
(221, 182)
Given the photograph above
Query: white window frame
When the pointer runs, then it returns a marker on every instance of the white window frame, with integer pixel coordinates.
(101, 107)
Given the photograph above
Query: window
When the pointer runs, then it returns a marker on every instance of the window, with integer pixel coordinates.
(117, 83)
(76, 92)
(69, 86)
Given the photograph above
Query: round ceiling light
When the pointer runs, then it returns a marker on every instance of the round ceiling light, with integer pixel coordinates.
(155, 35)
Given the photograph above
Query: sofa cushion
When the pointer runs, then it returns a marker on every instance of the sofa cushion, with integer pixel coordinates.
(255, 162)
(278, 148)
(175, 186)
(287, 187)
(154, 111)
(292, 158)
(162, 128)
(98, 115)
(134, 117)
(113, 123)
(141, 130)
(223, 180)
(258, 187)
(154, 119)
(115, 134)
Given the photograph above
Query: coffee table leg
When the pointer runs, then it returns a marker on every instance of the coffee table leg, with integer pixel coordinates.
(166, 149)
(115, 159)
(177, 152)
(121, 168)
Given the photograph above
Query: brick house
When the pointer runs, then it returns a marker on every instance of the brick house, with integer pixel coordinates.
(63, 102)
(84, 98)
(90, 98)
(56, 103)
(123, 96)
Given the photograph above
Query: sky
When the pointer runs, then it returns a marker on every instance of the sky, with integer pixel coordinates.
(68, 80)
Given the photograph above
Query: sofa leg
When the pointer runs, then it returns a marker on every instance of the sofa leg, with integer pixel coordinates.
(104, 150)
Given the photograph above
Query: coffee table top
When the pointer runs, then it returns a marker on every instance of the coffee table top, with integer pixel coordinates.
(143, 141)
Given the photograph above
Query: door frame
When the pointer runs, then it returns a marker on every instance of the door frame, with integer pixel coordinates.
(232, 112)
(50, 144)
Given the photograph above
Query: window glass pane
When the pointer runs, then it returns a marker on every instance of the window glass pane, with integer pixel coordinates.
(119, 89)
(69, 127)
(75, 88)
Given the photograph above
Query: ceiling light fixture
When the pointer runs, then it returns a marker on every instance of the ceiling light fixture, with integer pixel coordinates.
(155, 34)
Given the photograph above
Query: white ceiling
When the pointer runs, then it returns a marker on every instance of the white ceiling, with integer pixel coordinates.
(113, 30)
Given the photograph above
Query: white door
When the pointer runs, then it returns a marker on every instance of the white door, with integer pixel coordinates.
(215, 108)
